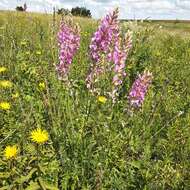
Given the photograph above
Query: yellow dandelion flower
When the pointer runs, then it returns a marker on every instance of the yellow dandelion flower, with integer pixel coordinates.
(42, 85)
(6, 84)
(5, 105)
(11, 152)
(39, 136)
(16, 95)
(102, 99)
(2, 69)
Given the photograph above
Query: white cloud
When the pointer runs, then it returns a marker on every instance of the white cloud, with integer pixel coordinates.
(155, 9)
(184, 4)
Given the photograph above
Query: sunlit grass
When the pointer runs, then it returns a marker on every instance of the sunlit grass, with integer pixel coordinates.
(71, 139)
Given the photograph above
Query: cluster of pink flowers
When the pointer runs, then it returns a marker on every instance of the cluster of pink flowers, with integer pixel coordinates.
(120, 54)
(69, 42)
(108, 52)
(106, 35)
(139, 89)
(100, 47)
(108, 44)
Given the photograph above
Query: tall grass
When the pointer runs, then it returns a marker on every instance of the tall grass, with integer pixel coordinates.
(92, 145)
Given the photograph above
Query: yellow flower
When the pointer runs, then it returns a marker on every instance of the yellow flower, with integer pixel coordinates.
(2, 69)
(102, 99)
(16, 95)
(23, 43)
(42, 85)
(38, 52)
(10, 151)
(39, 136)
(6, 84)
(5, 105)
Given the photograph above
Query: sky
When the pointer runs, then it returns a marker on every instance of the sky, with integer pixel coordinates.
(129, 9)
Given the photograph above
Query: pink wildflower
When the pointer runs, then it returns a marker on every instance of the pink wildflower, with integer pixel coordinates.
(101, 45)
(69, 42)
(139, 89)
(107, 47)
(119, 57)
(105, 36)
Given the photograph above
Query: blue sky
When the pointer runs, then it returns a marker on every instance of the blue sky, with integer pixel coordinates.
(140, 9)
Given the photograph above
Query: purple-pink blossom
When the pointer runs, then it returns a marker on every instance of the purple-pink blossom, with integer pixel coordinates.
(106, 35)
(119, 57)
(139, 89)
(109, 52)
(101, 47)
(69, 42)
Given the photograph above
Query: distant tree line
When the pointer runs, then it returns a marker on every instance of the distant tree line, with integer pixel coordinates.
(77, 11)
(63, 11)
(80, 11)
(21, 8)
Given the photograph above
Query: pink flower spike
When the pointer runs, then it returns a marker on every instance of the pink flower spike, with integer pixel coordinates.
(139, 89)
(69, 42)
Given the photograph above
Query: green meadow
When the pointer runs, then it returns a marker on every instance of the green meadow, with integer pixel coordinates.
(92, 145)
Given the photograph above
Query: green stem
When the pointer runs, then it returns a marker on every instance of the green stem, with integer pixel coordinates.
(38, 152)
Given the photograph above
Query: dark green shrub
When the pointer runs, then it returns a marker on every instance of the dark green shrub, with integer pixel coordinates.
(19, 8)
(63, 11)
(81, 11)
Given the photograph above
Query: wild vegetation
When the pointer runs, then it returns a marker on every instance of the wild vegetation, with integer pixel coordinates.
(81, 11)
(22, 8)
(58, 133)
(76, 11)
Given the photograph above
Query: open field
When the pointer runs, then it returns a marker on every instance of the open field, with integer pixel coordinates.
(179, 27)
(88, 142)
(176, 27)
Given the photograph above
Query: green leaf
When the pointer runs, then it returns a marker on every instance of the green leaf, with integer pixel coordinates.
(30, 148)
(45, 185)
(135, 164)
(4, 174)
(33, 186)
(42, 169)
(6, 187)
(26, 178)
